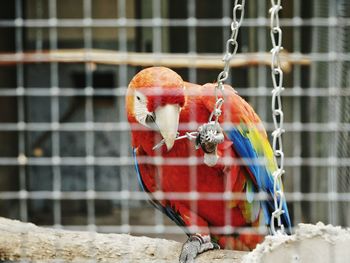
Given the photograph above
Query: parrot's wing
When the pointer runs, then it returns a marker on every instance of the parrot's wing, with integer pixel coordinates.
(249, 141)
(256, 152)
(149, 173)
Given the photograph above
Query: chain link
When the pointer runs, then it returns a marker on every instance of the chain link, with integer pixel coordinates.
(231, 50)
(277, 116)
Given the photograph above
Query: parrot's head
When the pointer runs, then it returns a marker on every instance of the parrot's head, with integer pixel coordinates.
(154, 99)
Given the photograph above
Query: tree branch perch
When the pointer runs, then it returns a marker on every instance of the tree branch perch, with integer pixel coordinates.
(110, 57)
(37, 244)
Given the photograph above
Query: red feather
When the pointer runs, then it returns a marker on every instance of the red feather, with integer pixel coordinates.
(197, 105)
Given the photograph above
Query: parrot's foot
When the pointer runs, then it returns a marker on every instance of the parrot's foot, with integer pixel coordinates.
(195, 245)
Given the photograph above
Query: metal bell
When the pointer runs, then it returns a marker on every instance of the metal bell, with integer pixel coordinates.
(209, 136)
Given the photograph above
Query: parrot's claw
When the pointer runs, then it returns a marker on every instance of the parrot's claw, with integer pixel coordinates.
(195, 245)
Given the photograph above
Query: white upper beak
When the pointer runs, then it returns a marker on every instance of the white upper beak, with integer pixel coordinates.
(167, 120)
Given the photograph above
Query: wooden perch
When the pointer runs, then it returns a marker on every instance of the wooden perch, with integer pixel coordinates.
(37, 244)
(95, 56)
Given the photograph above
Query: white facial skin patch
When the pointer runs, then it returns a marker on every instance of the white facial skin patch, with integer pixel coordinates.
(140, 108)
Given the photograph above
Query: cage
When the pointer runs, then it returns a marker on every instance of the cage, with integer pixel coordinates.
(65, 155)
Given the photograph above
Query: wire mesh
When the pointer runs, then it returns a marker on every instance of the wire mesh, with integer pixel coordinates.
(65, 155)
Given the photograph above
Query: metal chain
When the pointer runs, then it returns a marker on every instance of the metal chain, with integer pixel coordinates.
(189, 135)
(277, 112)
(231, 50)
(277, 116)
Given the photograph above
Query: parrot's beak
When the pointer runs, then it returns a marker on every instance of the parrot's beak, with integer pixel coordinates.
(167, 120)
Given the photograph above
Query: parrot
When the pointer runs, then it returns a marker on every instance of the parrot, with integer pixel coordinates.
(161, 106)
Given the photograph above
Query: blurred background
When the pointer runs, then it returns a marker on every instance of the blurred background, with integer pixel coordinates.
(65, 155)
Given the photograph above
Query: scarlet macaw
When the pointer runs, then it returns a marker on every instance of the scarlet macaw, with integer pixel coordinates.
(160, 105)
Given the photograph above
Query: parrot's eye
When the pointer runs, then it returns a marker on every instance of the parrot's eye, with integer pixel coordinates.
(141, 112)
